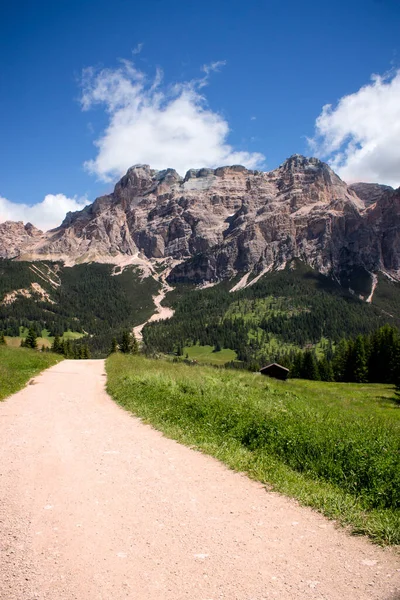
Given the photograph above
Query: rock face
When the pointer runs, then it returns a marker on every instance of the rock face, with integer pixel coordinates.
(370, 192)
(380, 247)
(217, 223)
(15, 235)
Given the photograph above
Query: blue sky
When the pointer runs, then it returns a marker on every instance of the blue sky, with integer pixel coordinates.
(90, 87)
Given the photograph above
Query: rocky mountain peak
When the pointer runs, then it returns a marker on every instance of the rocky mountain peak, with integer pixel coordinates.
(141, 180)
(32, 230)
(302, 166)
(17, 229)
(299, 162)
(15, 235)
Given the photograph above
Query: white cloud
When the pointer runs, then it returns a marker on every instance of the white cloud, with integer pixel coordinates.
(158, 125)
(360, 135)
(213, 67)
(138, 48)
(45, 215)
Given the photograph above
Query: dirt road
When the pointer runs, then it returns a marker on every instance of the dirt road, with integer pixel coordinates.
(94, 505)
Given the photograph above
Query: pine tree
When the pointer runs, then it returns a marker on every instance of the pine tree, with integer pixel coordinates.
(381, 361)
(339, 360)
(394, 361)
(2, 339)
(350, 365)
(396, 371)
(360, 374)
(134, 344)
(57, 345)
(31, 339)
(125, 346)
(309, 368)
(297, 364)
(114, 346)
(325, 370)
(84, 352)
(67, 349)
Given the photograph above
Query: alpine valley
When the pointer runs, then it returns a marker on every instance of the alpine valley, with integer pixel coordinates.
(261, 263)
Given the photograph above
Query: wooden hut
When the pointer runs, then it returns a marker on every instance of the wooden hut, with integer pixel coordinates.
(275, 370)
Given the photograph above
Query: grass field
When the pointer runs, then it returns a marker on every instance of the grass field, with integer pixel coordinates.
(45, 340)
(334, 447)
(18, 365)
(206, 355)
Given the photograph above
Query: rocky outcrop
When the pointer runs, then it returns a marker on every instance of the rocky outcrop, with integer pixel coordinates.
(35, 290)
(215, 223)
(370, 192)
(15, 236)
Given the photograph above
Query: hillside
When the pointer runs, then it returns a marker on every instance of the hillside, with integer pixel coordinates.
(87, 298)
(269, 320)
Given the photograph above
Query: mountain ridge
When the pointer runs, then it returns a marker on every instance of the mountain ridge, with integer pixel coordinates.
(214, 224)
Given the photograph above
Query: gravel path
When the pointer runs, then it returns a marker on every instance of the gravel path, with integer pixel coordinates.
(95, 505)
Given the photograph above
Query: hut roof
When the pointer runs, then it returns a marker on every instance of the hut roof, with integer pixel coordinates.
(275, 370)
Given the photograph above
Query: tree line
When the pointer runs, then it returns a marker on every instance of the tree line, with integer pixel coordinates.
(70, 349)
(373, 358)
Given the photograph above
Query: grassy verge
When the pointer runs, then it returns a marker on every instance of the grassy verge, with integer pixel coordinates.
(18, 365)
(332, 447)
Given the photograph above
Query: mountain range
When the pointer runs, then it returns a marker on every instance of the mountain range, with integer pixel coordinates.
(214, 224)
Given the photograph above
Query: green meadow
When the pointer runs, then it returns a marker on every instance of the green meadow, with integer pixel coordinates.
(334, 447)
(206, 354)
(46, 339)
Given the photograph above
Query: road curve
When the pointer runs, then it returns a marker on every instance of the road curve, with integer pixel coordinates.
(94, 505)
